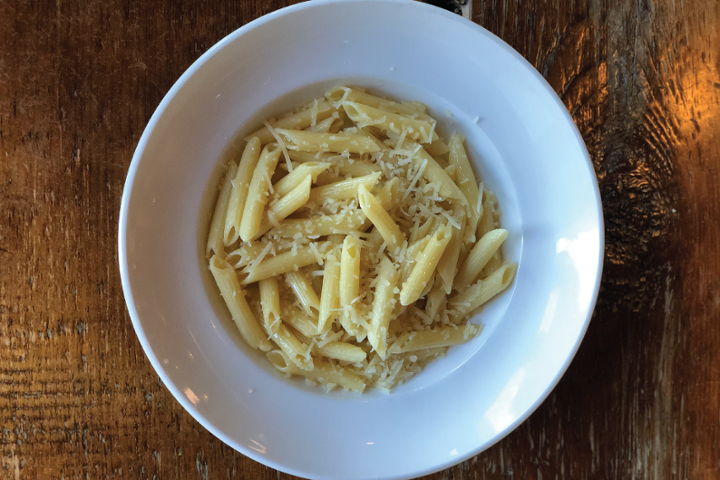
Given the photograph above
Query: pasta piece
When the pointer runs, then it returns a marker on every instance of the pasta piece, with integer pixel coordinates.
(234, 297)
(465, 177)
(447, 267)
(330, 294)
(324, 372)
(303, 323)
(296, 198)
(298, 120)
(433, 172)
(294, 349)
(349, 284)
(294, 178)
(436, 300)
(342, 351)
(341, 223)
(425, 266)
(257, 194)
(304, 292)
(383, 305)
(341, 94)
(241, 184)
(343, 190)
(324, 125)
(215, 242)
(364, 115)
(443, 337)
(478, 257)
(381, 219)
(327, 142)
(477, 295)
(283, 263)
(243, 255)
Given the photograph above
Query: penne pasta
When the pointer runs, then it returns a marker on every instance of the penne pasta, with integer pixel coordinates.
(298, 120)
(343, 190)
(444, 337)
(326, 142)
(257, 194)
(371, 245)
(342, 351)
(365, 115)
(381, 219)
(240, 187)
(324, 372)
(234, 297)
(304, 293)
(283, 263)
(296, 177)
(478, 257)
(215, 243)
(425, 266)
(330, 293)
(383, 304)
(296, 351)
(447, 267)
(480, 293)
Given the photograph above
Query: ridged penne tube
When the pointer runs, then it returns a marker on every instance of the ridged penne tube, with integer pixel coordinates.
(443, 337)
(344, 189)
(341, 223)
(304, 292)
(295, 198)
(447, 267)
(493, 264)
(298, 120)
(258, 193)
(215, 243)
(436, 299)
(294, 178)
(330, 293)
(352, 167)
(283, 263)
(465, 177)
(349, 271)
(433, 172)
(478, 257)
(324, 125)
(324, 372)
(301, 322)
(243, 255)
(241, 185)
(341, 94)
(234, 297)
(383, 304)
(478, 294)
(327, 142)
(437, 148)
(349, 284)
(381, 219)
(387, 195)
(342, 351)
(412, 254)
(365, 115)
(296, 351)
(425, 266)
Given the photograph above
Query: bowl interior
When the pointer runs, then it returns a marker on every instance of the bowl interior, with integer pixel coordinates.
(523, 144)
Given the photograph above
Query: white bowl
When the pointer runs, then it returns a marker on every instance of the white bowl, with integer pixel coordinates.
(525, 146)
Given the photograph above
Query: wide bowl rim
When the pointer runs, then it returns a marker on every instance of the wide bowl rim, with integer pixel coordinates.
(138, 158)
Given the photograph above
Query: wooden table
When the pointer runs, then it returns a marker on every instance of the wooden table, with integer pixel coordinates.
(80, 79)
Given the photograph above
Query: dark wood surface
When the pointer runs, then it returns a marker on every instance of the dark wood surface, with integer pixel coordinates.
(80, 79)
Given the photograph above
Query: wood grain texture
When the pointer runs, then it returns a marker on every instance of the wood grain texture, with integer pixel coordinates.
(79, 81)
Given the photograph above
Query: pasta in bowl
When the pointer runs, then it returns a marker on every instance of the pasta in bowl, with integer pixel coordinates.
(352, 243)
(520, 142)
